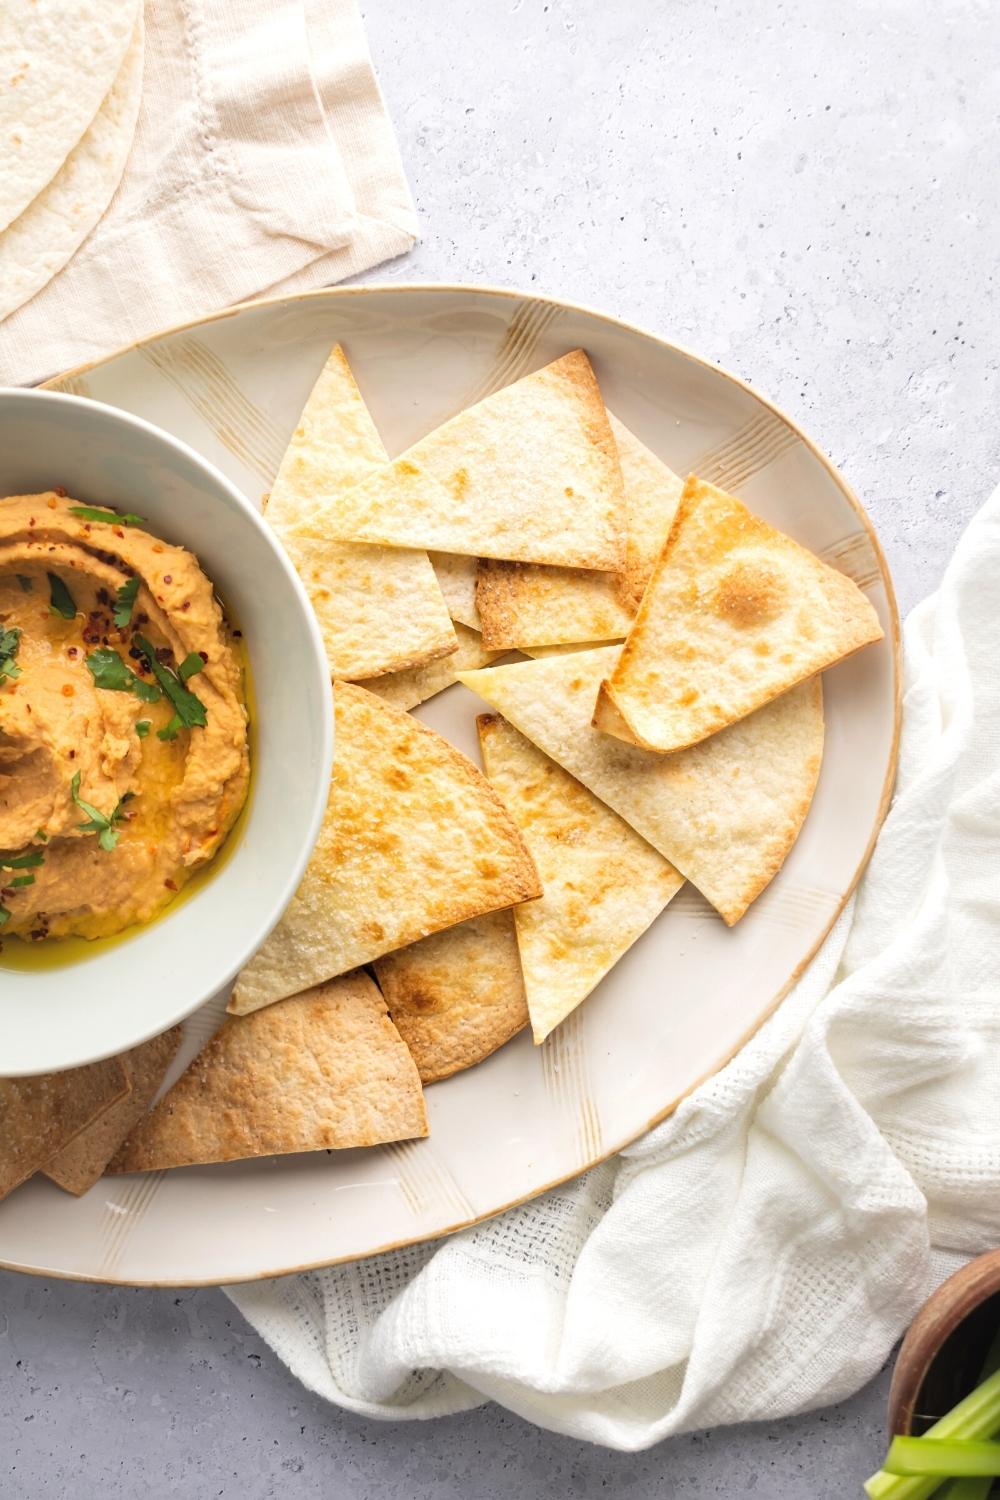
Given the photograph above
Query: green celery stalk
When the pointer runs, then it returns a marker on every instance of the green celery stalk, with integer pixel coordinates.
(976, 1416)
(949, 1458)
(966, 1489)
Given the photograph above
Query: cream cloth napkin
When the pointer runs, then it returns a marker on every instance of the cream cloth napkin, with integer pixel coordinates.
(263, 161)
(759, 1252)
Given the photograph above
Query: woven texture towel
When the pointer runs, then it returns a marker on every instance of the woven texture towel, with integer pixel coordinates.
(263, 162)
(758, 1253)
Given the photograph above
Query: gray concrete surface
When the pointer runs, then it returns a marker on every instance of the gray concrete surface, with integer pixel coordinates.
(805, 192)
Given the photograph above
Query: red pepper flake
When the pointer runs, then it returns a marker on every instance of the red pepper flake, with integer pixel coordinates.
(32, 521)
(118, 531)
(170, 885)
(72, 651)
(186, 604)
(68, 690)
(72, 755)
(58, 489)
(204, 656)
(168, 578)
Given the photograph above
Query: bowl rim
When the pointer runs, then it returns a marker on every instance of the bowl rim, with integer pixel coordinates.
(250, 516)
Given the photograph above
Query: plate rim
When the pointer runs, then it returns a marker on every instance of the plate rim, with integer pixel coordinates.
(369, 289)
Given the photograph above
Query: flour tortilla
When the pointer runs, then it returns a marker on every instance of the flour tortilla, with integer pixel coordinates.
(407, 689)
(652, 494)
(530, 474)
(52, 226)
(456, 576)
(524, 605)
(321, 1071)
(735, 614)
(42, 1115)
(414, 840)
(380, 610)
(458, 995)
(725, 813)
(60, 61)
(602, 884)
(82, 1163)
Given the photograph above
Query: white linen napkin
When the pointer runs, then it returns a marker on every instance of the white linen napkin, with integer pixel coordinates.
(758, 1253)
(263, 161)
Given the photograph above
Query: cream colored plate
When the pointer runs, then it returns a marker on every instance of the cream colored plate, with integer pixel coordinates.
(690, 992)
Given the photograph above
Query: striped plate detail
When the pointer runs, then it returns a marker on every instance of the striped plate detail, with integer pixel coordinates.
(122, 1216)
(567, 1084)
(730, 464)
(855, 556)
(215, 395)
(425, 1182)
(516, 354)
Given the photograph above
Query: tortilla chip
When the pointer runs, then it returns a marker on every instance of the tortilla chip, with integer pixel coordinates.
(652, 494)
(80, 1164)
(735, 614)
(725, 812)
(602, 884)
(456, 576)
(529, 474)
(40, 1116)
(414, 839)
(407, 689)
(319, 1072)
(456, 996)
(379, 609)
(525, 605)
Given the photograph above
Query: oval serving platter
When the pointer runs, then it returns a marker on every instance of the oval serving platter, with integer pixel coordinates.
(690, 992)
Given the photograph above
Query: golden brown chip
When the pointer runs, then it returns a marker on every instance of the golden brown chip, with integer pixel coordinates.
(602, 884)
(414, 839)
(530, 474)
(320, 1071)
(379, 609)
(456, 996)
(526, 605)
(735, 614)
(39, 1116)
(407, 689)
(652, 494)
(725, 812)
(80, 1164)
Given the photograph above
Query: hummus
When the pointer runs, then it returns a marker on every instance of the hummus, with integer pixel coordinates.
(124, 759)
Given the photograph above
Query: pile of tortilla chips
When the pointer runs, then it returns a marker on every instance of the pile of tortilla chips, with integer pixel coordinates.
(661, 721)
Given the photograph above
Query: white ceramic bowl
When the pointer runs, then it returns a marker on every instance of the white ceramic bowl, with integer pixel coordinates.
(124, 992)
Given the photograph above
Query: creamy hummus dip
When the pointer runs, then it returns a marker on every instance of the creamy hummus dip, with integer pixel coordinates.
(123, 721)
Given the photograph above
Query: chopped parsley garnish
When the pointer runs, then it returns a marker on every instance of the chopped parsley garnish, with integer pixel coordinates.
(25, 582)
(98, 822)
(115, 676)
(4, 915)
(125, 600)
(41, 835)
(142, 727)
(29, 861)
(60, 598)
(190, 666)
(109, 517)
(10, 640)
(189, 711)
(22, 880)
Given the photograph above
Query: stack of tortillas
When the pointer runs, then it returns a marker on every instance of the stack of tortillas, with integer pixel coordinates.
(69, 101)
(482, 901)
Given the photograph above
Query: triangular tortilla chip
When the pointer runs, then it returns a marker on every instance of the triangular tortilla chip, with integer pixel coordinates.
(530, 474)
(407, 689)
(602, 884)
(735, 614)
(319, 1072)
(40, 1116)
(725, 813)
(414, 839)
(652, 494)
(458, 995)
(456, 576)
(379, 609)
(80, 1164)
(526, 605)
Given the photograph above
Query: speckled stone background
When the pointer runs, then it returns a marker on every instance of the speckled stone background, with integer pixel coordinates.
(805, 192)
